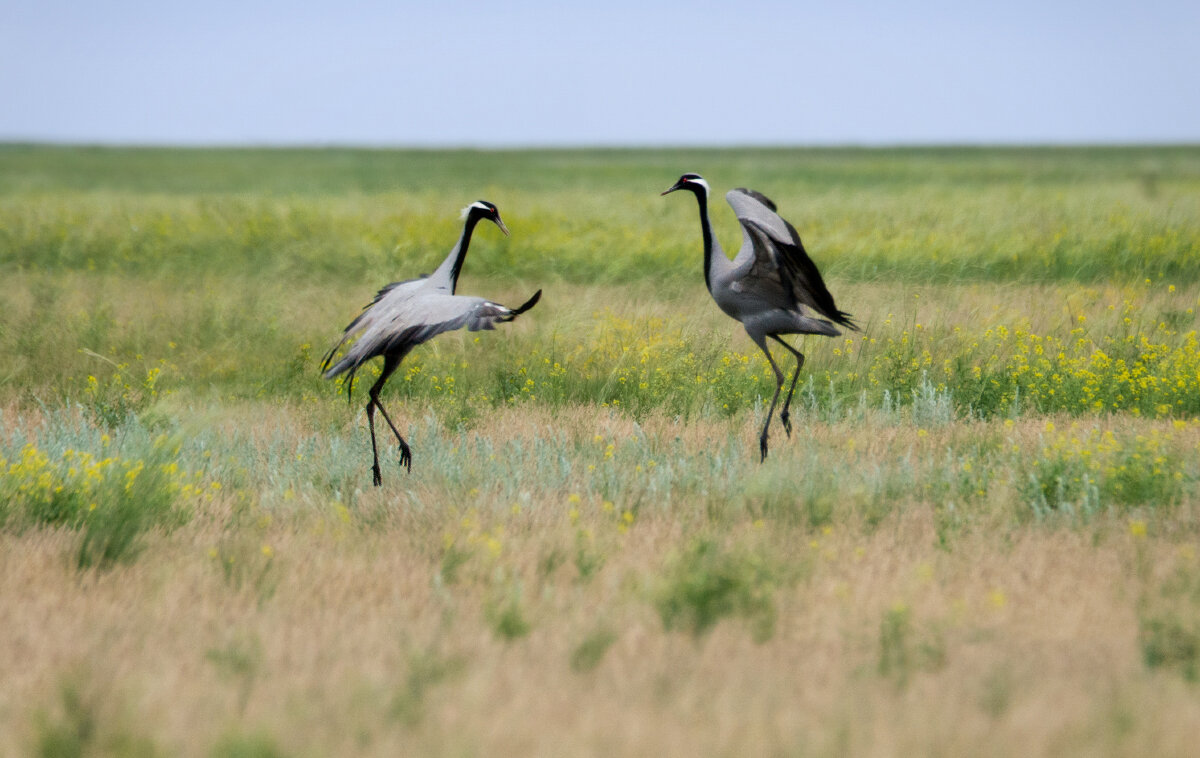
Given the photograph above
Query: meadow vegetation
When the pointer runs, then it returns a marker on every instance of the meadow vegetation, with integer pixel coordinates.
(981, 538)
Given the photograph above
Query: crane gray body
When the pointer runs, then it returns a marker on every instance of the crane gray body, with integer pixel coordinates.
(771, 286)
(407, 313)
(403, 317)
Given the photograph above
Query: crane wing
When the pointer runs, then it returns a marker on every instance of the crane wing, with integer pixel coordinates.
(404, 324)
(773, 255)
(786, 267)
(389, 299)
(751, 206)
(760, 197)
(446, 313)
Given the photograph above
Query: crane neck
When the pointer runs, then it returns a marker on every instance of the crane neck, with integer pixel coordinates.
(713, 254)
(447, 273)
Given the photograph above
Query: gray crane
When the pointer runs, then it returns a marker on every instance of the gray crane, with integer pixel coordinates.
(771, 286)
(406, 314)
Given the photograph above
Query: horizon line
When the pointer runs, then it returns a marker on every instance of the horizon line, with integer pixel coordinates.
(11, 142)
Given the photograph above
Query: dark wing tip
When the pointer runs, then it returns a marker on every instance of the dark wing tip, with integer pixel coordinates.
(846, 320)
(760, 197)
(528, 303)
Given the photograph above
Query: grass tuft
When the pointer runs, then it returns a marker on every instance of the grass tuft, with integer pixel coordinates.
(707, 582)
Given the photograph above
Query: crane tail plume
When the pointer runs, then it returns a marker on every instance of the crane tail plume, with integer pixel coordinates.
(347, 363)
(350, 386)
(328, 359)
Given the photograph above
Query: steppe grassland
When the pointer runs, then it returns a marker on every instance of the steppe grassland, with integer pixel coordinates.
(959, 550)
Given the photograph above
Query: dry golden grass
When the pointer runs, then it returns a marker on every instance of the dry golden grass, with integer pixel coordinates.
(342, 631)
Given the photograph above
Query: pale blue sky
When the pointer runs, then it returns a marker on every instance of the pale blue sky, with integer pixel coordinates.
(609, 73)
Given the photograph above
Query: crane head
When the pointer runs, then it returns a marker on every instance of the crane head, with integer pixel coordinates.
(693, 182)
(483, 209)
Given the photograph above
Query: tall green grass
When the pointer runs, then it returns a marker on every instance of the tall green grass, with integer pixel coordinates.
(228, 271)
(594, 216)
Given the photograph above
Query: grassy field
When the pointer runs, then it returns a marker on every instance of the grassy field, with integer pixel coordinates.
(981, 539)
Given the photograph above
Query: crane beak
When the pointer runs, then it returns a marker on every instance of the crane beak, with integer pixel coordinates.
(676, 186)
(500, 224)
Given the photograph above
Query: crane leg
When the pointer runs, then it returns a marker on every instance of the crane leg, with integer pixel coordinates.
(376, 476)
(389, 365)
(785, 417)
(762, 440)
(405, 450)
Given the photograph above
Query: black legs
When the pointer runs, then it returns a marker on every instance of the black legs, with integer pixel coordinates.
(389, 365)
(784, 415)
(762, 440)
(405, 450)
(376, 477)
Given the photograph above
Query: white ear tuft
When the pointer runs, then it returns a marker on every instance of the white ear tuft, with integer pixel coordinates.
(477, 204)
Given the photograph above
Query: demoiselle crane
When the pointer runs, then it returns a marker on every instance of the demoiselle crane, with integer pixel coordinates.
(406, 314)
(771, 285)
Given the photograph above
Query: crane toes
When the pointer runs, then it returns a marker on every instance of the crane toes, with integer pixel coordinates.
(406, 457)
(376, 475)
(786, 420)
(762, 448)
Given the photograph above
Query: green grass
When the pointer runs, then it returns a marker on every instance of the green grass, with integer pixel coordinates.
(232, 269)
(706, 583)
(342, 215)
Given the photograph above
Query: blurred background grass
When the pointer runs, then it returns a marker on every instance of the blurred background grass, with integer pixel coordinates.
(593, 216)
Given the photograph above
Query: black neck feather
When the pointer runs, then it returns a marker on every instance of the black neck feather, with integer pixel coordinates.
(706, 230)
(463, 243)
